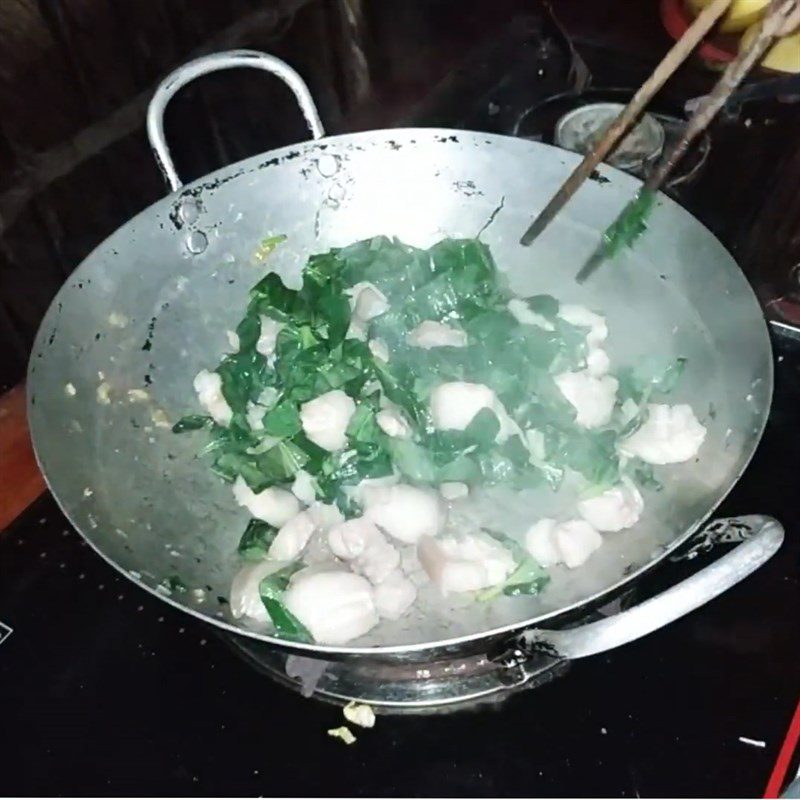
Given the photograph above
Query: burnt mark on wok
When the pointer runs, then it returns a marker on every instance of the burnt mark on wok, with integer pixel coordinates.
(195, 193)
(290, 156)
(151, 327)
(467, 188)
(493, 216)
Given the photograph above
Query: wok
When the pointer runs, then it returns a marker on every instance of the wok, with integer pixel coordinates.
(114, 359)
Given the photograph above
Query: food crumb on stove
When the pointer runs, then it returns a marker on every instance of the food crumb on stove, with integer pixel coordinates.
(752, 742)
(117, 320)
(104, 394)
(160, 419)
(70, 390)
(87, 492)
(344, 733)
(138, 396)
(359, 714)
(603, 731)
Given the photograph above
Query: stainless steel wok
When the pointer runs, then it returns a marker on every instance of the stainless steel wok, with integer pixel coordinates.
(114, 358)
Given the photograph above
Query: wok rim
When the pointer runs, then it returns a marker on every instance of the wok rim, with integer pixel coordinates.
(342, 652)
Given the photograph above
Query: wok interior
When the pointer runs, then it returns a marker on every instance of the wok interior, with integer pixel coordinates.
(143, 312)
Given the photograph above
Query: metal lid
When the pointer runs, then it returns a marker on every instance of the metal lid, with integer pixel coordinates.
(582, 128)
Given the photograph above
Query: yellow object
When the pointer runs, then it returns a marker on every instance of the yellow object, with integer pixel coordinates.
(740, 16)
(783, 56)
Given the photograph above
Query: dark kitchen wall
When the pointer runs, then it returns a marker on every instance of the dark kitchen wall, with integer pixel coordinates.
(76, 76)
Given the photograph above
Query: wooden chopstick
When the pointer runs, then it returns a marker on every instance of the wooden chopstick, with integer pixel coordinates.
(778, 13)
(674, 58)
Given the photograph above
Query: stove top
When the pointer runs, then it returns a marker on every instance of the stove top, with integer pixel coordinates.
(109, 691)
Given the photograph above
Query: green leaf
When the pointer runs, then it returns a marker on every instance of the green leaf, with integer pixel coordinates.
(286, 624)
(271, 590)
(483, 429)
(281, 462)
(591, 453)
(652, 375)
(528, 578)
(174, 583)
(413, 461)
(192, 422)
(282, 420)
(256, 540)
(397, 383)
(630, 224)
(277, 582)
(543, 304)
(643, 475)
(362, 427)
(266, 246)
(244, 376)
(272, 297)
(248, 331)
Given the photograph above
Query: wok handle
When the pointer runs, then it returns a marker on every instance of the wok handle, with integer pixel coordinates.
(228, 59)
(762, 536)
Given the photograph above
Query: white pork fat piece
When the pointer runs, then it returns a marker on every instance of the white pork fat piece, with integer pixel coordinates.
(394, 596)
(336, 606)
(597, 362)
(245, 597)
(367, 301)
(669, 435)
(581, 317)
(359, 542)
(570, 543)
(379, 349)
(616, 509)
(429, 334)
(522, 313)
(268, 337)
(325, 419)
(592, 398)
(405, 512)
(392, 422)
(208, 386)
(540, 542)
(274, 506)
(303, 487)
(465, 563)
(454, 405)
(453, 490)
(292, 537)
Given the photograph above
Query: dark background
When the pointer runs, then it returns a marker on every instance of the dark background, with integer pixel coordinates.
(104, 689)
(76, 76)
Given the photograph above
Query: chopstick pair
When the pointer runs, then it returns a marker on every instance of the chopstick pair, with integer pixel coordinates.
(631, 222)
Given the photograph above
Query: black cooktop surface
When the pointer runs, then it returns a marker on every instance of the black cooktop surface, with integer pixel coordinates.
(105, 689)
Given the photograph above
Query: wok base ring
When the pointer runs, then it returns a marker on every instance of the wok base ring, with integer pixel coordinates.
(403, 688)
(533, 657)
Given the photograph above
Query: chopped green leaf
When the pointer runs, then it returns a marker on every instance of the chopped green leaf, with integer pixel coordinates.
(256, 540)
(283, 420)
(266, 246)
(271, 590)
(192, 422)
